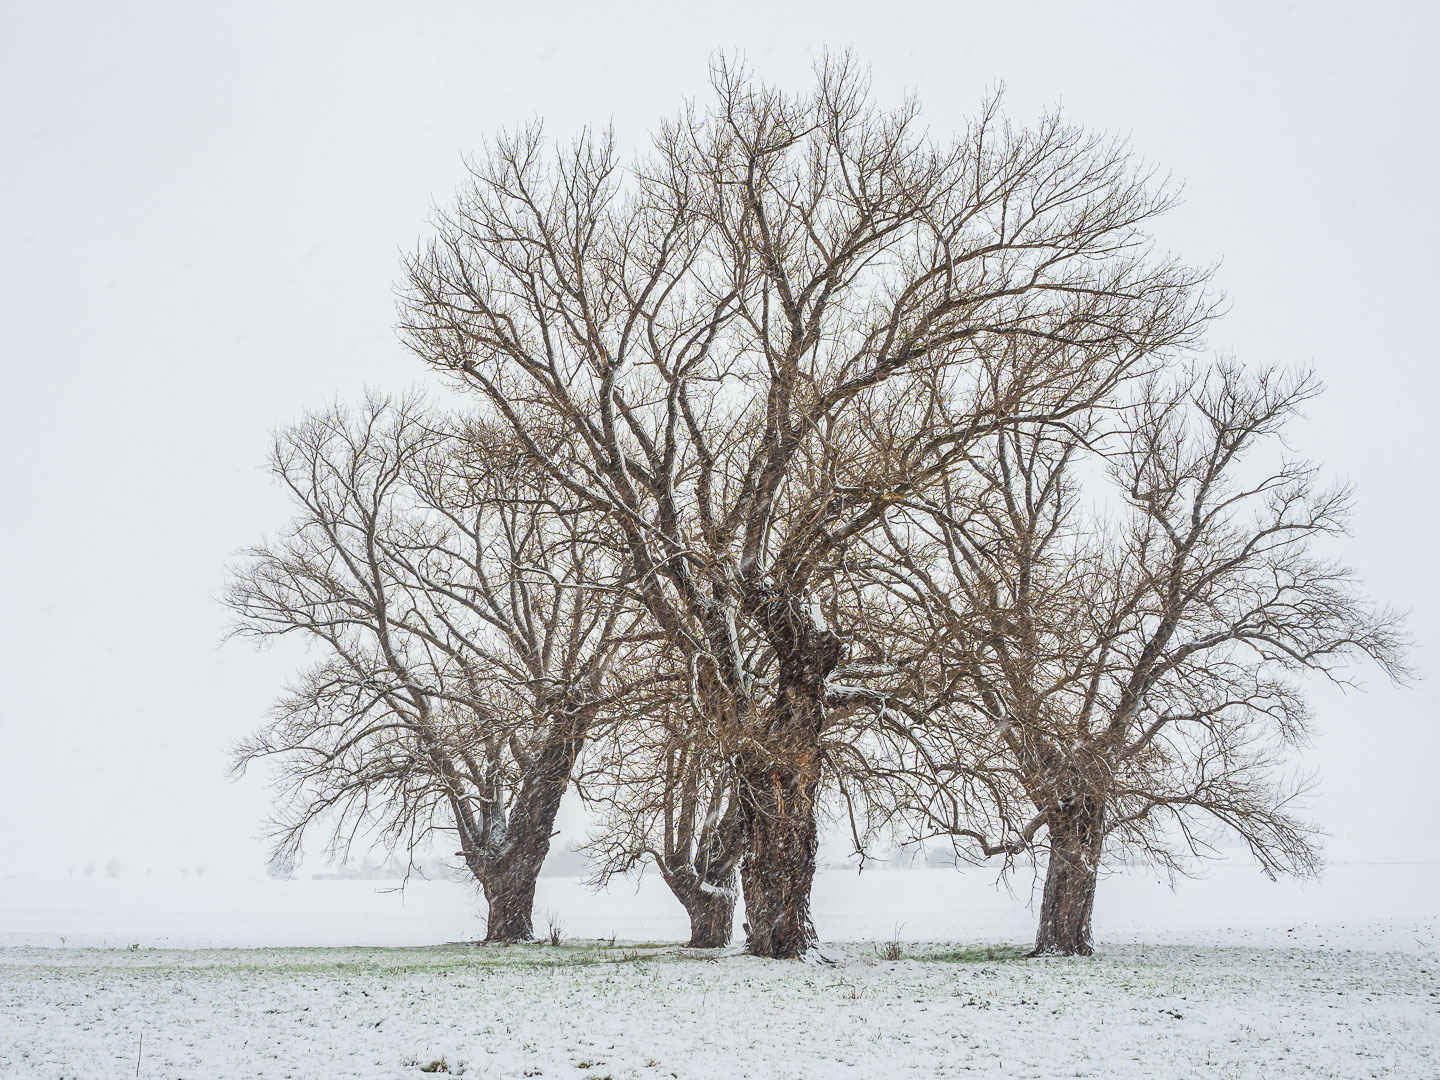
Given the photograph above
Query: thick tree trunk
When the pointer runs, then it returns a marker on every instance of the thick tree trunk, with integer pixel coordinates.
(712, 916)
(508, 871)
(710, 905)
(511, 901)
(1076, 836)
(704, 880)
(779, 866)
(778, 785)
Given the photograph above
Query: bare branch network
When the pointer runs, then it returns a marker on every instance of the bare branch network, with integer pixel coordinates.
(817, 468)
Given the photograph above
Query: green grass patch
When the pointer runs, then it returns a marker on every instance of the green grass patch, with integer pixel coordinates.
(977, 954)
(440, 960)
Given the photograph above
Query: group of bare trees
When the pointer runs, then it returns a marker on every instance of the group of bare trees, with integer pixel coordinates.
(814, 467)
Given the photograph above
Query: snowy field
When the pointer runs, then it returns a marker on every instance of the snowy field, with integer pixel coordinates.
(1232, 976)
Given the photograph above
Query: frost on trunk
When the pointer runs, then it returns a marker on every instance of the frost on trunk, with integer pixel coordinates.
(710, 905)
(1076, 838)
(506, 855)
(712, 914)
(700, 868)
(779, 783)
(712, 886)
(510, 900)
(779, 866)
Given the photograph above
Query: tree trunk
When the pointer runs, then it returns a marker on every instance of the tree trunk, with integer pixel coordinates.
(778, 782)
(508, 871)
(779, 866)
(704, 880)
(1076, 836)
(710, 905)
(712, 916)
(511, 899)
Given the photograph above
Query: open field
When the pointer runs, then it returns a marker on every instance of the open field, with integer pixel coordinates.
(1233, 988)
(593, 1011)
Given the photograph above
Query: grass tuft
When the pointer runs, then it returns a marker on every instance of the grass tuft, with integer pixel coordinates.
(979, 954)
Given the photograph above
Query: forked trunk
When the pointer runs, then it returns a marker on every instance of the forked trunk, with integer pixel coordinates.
(1076, 837)
(710, 905)
(508, 870)
(705, 881)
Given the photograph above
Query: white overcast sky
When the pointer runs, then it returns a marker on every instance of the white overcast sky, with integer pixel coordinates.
(201, 212)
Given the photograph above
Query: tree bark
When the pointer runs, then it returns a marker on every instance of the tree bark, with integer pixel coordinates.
(508, 871)
(778, 783)
(511, 899)
(1076, 835)
(779, 866)
(712, 918)
(705, 880)
(711, 907)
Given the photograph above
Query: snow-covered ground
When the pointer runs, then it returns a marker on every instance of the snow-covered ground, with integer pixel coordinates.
(1231, 976)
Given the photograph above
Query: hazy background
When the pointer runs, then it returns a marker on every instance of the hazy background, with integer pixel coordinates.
(201, 212)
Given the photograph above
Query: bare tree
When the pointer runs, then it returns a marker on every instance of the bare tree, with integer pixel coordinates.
(748, 345)
(468, 642)
(1129, 680)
